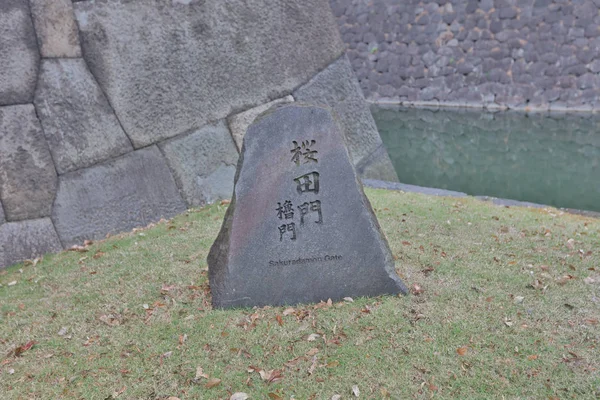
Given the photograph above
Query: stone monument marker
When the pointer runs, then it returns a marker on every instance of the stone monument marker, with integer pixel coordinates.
(299, 228)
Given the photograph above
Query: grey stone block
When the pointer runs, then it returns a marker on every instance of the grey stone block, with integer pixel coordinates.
(2, 218)
(19, 56)
(55, 28)
(115, 196)
(274, 246)
(238, 123)
(27, 174)
(203, 163)
(78, 122)
(337, 87)
(185, 63)
(26, 240)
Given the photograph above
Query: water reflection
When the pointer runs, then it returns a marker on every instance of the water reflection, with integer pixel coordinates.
(540, 158)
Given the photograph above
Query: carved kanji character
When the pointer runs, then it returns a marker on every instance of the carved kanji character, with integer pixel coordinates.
(303, 150)
(313, 206)
(286, 210)
(305, 184)
(287, 228)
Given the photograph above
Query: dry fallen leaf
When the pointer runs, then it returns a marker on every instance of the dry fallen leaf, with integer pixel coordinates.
(532, 357)
(589, 280)
(288, 311)
(312, 352)
(355, 390)
(63, 331)
(416, 289)
(212, 382)
(349, 300)
(225, 201)
(279, 320)
(13, 283)
(570, 244)
(462, 350)
(336, 397)
(200, 374)
(239, 396)
(312, 337)
(508, 322)
(18, 351)
(274, 396)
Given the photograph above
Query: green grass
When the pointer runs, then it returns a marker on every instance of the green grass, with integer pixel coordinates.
(131, 317)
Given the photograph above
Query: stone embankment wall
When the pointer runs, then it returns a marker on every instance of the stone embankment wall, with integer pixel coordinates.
(114, 113)
(519, 54)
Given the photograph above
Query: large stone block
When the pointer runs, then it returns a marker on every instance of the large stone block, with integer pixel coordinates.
(189, 62)
(27, 174)
(2, 218)
(78, 122)
(115, 196)
(19, 57)
(239, 123)
(337, 87)
(299, 228)
(27, 239)
(203, 163)
(55, 28)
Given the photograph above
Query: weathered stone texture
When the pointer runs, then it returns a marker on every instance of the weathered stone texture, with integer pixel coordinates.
(452, 51)
(186, 63)
(19, 56)
(27, 174)
(334, 250)
(2, 218)
(56, 28)
(78, 122)
(114, 196)
(203, 163)
(27, 239)
(337, 87)
(239, 123)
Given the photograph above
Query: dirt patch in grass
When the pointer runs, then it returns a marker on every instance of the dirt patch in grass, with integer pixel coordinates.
(506, 302)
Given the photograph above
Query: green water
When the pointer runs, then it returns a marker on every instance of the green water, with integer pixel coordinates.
(540, 158)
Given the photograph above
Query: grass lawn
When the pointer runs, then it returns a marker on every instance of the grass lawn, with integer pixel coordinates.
(505, 304)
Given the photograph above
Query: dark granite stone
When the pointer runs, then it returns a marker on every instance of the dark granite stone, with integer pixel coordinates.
(299, 228)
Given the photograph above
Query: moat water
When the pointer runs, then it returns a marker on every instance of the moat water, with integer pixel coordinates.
(540, 158)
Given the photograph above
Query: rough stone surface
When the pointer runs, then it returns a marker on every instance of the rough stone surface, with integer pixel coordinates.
(55, 28)
(512, 44)
(27, 239)
(2, 218)
(337, 87)
(336, 248)
(115, 196)
(27, 175)
(78, 122)
(203, 163)
(19, 56)
(239, 123)
(185, 63)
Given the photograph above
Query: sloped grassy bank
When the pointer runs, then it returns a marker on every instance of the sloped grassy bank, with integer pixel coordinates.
(506, 302)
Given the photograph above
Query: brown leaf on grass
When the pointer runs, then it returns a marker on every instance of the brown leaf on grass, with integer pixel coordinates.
(274, 396)
(462, 351)
(225, 201)
(111, 319)
(532, 357)
(571, 244)
(590, 321)
(239, 396)
(313, 365)
(119, 392)
(293, 362)
(416, 289)
(288, 311)
(79, 249)
(88, 242)
(544, 268)
(98, 254)
(19, 350)
(312, 352)
(271, 376)
(564, 279)
(312, 337)
(212, 382)
(333, 364)
(166, 288)
(406, 243)
(279, 320)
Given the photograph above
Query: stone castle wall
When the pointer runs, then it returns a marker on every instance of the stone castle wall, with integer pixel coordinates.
(114, 113)
(519, 54)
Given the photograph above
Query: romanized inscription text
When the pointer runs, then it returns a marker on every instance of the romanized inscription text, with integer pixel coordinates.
(305, 260)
